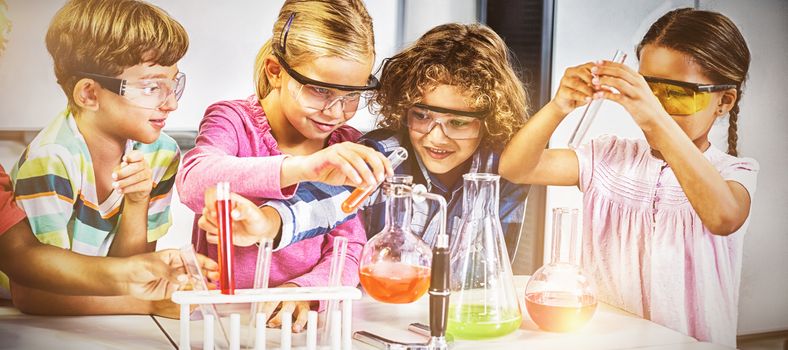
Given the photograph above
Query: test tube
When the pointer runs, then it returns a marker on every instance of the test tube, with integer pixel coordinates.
(261, 273)
(361, 193)
(334, 280)
(189, 258)
(590, 112)
(224, 208)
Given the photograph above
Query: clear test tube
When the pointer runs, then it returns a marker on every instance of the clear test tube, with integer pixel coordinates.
(189, 258)
(224, 208)
(591, 110)
(262, 271)
(334, 280)
(361, 193)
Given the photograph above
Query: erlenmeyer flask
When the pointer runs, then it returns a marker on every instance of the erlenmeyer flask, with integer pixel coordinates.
(559, 296)
(395, 263)
(483, 302)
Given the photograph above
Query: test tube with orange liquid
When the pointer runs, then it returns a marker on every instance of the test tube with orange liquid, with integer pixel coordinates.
(224, 208)
(360, 194)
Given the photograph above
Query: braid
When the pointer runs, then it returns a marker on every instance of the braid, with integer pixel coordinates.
(733, 117)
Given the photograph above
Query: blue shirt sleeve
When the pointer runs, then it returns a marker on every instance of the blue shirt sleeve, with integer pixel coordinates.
(512, 212)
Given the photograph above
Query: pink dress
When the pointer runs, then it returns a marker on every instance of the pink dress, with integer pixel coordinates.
(646, 247)
(235, 144)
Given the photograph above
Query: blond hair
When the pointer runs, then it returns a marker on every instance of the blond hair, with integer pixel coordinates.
(320, 28)
(471, 57)
(107, 36)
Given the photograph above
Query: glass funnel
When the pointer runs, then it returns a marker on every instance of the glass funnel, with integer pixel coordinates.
(395, 263)
(560, 297)
(483, 302)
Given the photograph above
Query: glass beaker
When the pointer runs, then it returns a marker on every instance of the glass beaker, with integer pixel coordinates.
(395, 263)
(560, 297)
(483, 302)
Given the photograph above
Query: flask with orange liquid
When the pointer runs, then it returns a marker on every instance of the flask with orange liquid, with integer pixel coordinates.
(559, 296)
(395, 263)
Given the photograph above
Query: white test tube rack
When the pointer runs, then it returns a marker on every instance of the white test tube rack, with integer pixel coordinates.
(340, 332)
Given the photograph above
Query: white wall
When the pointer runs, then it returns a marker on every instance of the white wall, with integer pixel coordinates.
(763, 128)
(589, 30)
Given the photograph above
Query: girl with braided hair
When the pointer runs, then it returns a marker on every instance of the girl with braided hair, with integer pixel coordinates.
(664, 218)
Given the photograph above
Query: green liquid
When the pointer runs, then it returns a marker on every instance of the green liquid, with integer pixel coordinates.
(473, 322)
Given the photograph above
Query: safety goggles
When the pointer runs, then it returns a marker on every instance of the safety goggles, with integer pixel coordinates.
(146, 93)
(458, 125)
(321, 95)
(683, 98)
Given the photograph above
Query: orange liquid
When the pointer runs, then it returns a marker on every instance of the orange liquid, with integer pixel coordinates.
(356, 198)
(395, 282)
(560, 311)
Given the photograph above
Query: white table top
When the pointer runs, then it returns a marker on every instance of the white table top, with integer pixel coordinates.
(609, 328)
(19, 331)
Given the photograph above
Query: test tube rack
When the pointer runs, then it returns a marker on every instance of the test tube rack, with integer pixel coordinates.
(339, 334)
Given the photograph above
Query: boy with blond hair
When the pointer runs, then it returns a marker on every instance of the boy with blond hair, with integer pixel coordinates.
(98, 179)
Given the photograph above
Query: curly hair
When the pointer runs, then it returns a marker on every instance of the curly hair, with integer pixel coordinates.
(471, 57)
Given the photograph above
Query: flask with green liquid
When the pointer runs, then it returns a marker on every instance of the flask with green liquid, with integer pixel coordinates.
(483, 302)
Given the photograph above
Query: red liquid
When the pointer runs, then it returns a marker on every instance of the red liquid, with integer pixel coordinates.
(395, 282)
(356, 198)
(560, 311)
(226, 280)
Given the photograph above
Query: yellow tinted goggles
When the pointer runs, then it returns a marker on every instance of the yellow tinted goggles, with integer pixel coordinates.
(683, 98)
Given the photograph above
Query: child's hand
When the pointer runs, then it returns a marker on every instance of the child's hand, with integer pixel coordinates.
(134, 178)
(250, 223)
(155, 276)
(299, 310)
(634, 93)
(166, 308)
(346, 163)
(575, 88)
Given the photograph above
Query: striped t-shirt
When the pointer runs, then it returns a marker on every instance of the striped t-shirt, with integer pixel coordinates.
(55, 185)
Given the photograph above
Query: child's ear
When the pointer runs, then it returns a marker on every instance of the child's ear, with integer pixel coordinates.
(273, 71)
(86, 94)
(727, 101)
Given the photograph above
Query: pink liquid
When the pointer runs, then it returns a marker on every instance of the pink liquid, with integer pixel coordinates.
(395, 282)
(560, 311)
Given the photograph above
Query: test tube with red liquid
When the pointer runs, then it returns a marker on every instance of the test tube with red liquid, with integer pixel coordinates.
(224, 208)
(360, 194)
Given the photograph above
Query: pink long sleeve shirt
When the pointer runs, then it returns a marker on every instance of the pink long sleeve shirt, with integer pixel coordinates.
(235, 144)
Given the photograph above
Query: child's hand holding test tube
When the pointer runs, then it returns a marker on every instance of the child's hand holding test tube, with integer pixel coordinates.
(250, 224)
(594, 102)
(361, 193)
(341, 164)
